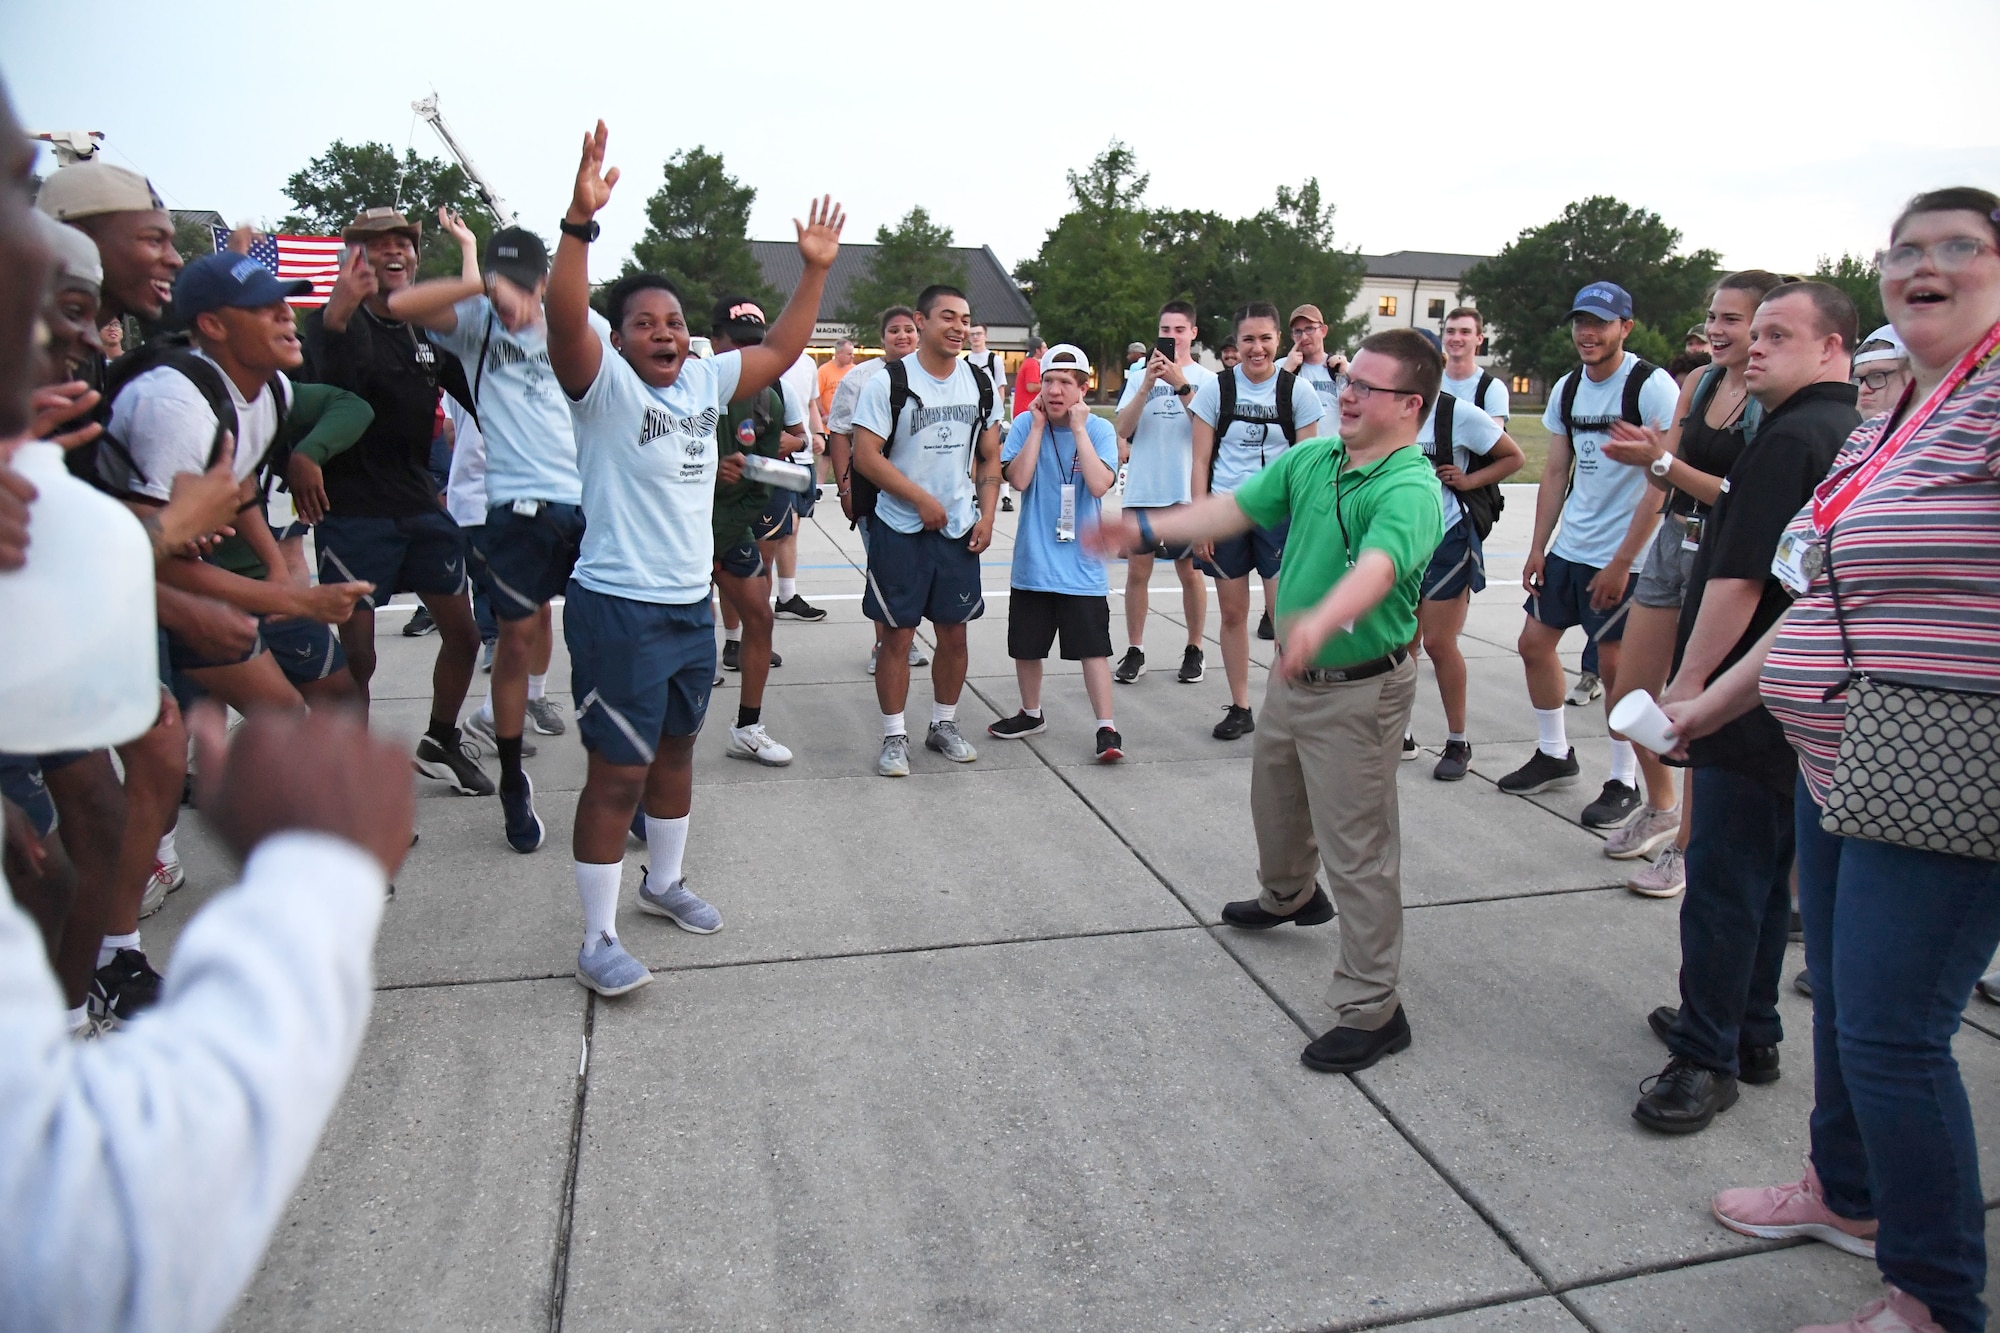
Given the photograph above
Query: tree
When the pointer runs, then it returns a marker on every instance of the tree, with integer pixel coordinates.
(1857, 277)
(1094, 283)
(1525, 290)
(908, 257)
(1200, 256)
(1289, 259)
(347, 178)
(193, 239)
(697, 233)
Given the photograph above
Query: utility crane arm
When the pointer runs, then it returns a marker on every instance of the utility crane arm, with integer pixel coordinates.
(428, 109)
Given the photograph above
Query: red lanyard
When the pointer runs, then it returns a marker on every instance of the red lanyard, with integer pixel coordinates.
(1831, 498)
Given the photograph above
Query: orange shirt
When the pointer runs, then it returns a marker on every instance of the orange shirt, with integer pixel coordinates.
(830, 376)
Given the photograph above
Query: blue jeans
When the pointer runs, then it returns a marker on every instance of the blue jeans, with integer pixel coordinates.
(1895, 939)
(1735, 919)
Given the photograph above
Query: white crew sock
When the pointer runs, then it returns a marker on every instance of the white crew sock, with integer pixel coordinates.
(486, 707)
(79, 1019)
(167, 854)
(943, 712)
(597, 888)
(787, 589)
(538, 685)
(1455, 736)
(113, 943)
(1032, 712)
(1106, 724)
(1624, 763)
(666, 843)
(1552, 739)
(892, 725)
(1139, 644)
(732, 635)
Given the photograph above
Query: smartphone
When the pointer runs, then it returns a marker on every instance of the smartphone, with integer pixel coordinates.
(1165, 347)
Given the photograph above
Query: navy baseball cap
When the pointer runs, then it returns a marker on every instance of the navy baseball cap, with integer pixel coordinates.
(518, 255)
(1606, 300)
(225, 279)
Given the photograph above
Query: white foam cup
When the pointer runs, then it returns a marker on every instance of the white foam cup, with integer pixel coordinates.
(1636, 717)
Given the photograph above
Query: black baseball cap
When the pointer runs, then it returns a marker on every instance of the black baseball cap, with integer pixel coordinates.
(518, 255)
(739, 318)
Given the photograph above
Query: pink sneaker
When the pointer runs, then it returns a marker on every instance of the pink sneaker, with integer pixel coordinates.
(1777, 1212)
(1898, 1312)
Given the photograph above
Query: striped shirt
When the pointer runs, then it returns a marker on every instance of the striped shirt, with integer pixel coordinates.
(1918, 559)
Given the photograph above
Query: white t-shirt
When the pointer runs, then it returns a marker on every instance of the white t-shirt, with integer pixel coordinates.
(531, 454)
(840, 417)
(1254, 437)
(1322, 381)
(1497, 401)
(932, 445)
(996, 369)
(648, 458)
(800, 385)
(465, 491)
(1162, 461)
(170, 428)
(1473, 434)
(1599, 508)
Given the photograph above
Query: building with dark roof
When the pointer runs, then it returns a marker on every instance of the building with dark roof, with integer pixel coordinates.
(996, 301)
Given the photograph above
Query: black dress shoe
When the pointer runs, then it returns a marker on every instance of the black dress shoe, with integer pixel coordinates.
(1349, 1050)
(1754, 1064)
(1247, 915)
(1683, 1097)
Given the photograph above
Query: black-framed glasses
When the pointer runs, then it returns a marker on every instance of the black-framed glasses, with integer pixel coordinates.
(1950, 255)
(1362, 388)
(1874, 380)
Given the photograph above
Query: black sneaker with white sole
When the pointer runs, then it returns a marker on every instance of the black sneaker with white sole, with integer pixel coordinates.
(1265, 630)
(1131, 666)
(1410, 750)
(1192, 671)
(1110, 746)
(1542, 772)
(1614, 806)
(457, 763)
(796, 607)
(123, 987)
(732, 650)
(419, 623)
(1236, 723)
(1018, 727)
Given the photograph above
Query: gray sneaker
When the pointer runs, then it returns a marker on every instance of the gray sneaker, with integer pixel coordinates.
(1662, 879)
(895, 761)
(1645, 835)
(479, 728)
(678, 904)
(917, 657)
(1587, 687)
(545, 716)
(608, 969)
(944, 737)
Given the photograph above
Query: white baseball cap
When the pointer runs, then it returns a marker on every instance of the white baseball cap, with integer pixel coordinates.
(1065, 356)
(1890, 349)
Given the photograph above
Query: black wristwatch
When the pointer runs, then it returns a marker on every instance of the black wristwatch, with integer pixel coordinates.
(583, 231)
(1184, 391)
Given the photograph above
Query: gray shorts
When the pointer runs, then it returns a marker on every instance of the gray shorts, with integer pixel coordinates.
(1663, 579)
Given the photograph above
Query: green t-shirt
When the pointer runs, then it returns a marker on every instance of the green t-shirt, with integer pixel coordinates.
(738, 504)
(1390, 505)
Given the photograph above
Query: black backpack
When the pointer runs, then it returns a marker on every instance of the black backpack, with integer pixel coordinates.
(107, 461)
(1628, 408)
(862, 491)
(1485, 504)
(1225, 412)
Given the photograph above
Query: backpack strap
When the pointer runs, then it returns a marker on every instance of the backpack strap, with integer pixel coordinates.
(1287, 381)
(479, 371)
(1443, 418)
(980, 378)
(899, 397)
(1566, 405)
(1635, 384)
(1479, 390)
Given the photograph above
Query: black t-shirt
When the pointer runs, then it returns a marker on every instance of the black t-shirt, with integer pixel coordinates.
(398, 370)
(1772, 480)
(1704, 447)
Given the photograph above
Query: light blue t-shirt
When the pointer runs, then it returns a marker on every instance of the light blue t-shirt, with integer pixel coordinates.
(1322, 381)
(649, 460)
(1254, 437)
(1041, 563)
(1157, 475)
(1496, 404)
(933, 443)
(530, 446)
(1599, 509)
(1473, 433)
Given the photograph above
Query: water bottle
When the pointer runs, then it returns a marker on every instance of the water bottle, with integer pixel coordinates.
(79, 647)
(777, 472)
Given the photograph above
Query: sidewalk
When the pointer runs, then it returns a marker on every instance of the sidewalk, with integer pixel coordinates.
(971, 1051)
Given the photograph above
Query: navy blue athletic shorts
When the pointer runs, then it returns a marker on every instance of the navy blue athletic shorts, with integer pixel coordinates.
(1565, 601)
(638, 671)
(525, 560)
(743, 560)
(1260, 549)
(779, 519)
(1458, 564)
(924, 575)
(420, 553)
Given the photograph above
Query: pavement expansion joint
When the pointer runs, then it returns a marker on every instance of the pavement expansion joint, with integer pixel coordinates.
(566, 1217)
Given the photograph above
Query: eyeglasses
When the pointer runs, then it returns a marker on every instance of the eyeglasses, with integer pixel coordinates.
(1950, 255)
(1874, 380)
(1362, 388)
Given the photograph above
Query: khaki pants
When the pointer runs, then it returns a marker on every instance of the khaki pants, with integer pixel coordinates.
(1323, 788)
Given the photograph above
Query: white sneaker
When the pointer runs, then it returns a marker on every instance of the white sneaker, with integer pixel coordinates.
(873, 653)
(753, 742)
(1587, 687)
(166, 877)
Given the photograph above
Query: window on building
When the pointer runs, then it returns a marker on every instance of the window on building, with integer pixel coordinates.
(1385, 306)
(1521, 384)
(1437, 307)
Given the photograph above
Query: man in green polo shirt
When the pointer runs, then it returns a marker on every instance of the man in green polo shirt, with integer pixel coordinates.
(1365, 516)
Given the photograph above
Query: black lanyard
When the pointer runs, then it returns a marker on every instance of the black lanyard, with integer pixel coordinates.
(1075, 449)
(1347, 543)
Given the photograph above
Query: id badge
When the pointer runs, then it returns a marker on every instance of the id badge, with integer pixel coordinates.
(527, 508)
(1797, 561)
(1691, 533)
(1066, 515)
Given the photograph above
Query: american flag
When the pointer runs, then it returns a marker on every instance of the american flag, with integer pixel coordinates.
(314, 258)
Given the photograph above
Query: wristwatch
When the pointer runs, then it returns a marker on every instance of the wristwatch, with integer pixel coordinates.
(1184, 391)
(1662, 465)
(583, 231)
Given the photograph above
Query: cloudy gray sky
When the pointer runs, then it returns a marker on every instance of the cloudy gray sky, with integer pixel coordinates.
(1774, 132)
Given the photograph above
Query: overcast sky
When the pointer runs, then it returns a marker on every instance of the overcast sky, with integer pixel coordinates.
(1771, 132)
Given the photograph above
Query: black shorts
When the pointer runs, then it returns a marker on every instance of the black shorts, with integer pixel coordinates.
(1034, 619)
(420, 553)
(525, 560)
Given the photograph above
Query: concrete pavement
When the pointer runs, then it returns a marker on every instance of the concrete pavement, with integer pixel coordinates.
(971, 1051)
